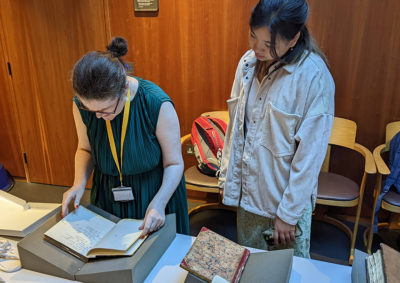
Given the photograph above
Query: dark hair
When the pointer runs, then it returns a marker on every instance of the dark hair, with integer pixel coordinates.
(286, 18)
(101, 75)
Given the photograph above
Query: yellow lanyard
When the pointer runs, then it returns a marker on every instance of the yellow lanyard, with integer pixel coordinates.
(111, 135)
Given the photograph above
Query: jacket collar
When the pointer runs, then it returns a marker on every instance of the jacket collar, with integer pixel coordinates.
(250, 62)
(290, 68)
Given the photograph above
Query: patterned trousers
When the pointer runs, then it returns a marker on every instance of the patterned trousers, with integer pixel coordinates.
(253, 228)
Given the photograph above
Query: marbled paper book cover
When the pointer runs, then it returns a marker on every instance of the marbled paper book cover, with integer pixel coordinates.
(212, 254)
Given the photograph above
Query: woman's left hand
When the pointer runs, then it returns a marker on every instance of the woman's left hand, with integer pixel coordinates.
(153, 220)
(283, 232)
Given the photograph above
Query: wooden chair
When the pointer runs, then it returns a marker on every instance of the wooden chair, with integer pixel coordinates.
(197, 181)
(340, 191)
(391, 201)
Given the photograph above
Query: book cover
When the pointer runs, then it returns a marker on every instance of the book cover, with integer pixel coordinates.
(391, 264)
(86, 234)
(212, 254)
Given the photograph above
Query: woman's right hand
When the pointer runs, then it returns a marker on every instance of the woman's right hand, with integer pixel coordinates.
(74, 193)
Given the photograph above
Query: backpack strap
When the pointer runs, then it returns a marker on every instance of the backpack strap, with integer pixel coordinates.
(207, 137)
(214, 139)
(201, 144)
(221, 125)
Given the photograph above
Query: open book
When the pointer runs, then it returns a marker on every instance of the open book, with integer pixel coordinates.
(212, 254)
(86, 234)
(19, 218)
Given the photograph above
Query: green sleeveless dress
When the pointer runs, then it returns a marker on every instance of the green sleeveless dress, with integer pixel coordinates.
(142, 165)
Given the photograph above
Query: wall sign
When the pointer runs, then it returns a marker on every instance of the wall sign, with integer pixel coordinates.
(146, 5)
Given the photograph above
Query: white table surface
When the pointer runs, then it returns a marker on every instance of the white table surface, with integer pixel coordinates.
(167, 269)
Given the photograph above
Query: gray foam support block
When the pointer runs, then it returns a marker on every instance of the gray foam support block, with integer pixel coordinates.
(358, 269)
(135, 268)
(41, 256)
(38, 255)
(273, 266)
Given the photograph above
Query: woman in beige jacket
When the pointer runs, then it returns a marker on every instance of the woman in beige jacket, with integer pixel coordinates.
(281, 113)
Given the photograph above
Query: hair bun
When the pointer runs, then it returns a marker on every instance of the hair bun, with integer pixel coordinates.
(118, 47)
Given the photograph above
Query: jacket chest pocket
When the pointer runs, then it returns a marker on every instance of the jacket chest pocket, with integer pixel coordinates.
(278, 131)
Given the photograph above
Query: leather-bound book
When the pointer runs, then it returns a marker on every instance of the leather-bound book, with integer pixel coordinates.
(212, 254)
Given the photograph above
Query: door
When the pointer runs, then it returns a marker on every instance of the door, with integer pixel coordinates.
(10, 147)
(44, 38)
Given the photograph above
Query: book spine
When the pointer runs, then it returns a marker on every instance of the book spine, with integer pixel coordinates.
(184, 264)
(242, 263)
(65, 248)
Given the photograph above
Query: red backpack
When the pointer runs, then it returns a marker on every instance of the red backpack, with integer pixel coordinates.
(207, 137)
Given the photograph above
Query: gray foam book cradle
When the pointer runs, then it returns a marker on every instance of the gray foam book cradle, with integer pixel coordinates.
(38, 255)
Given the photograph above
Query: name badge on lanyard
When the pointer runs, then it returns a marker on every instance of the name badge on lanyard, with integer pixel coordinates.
(121, 193)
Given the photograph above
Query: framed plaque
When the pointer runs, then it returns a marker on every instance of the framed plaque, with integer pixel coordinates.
(146, 5)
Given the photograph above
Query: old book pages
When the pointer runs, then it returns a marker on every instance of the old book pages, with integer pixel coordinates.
(375, 268)
(19, 218)
(384, 265)
(212, 254)
(86, 234)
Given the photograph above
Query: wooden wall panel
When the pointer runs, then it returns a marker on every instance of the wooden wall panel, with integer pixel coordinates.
(10, 146)
(362, 42)
(44, 39)
(191, 49)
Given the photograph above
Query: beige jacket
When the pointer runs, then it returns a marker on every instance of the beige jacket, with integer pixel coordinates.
(276, 168)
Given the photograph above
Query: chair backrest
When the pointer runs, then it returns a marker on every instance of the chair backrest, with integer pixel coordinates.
(391, 130)
(343, 134)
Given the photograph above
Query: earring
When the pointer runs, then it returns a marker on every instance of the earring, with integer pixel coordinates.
(291, 48)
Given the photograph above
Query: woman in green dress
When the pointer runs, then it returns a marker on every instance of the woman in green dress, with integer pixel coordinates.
(121, 118)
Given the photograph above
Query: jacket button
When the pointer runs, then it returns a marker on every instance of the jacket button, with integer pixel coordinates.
(247, 65)
(247, 78)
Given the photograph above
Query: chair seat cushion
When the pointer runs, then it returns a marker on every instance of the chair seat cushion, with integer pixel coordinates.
(332, 186)
(392, 198)
(194, 177)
